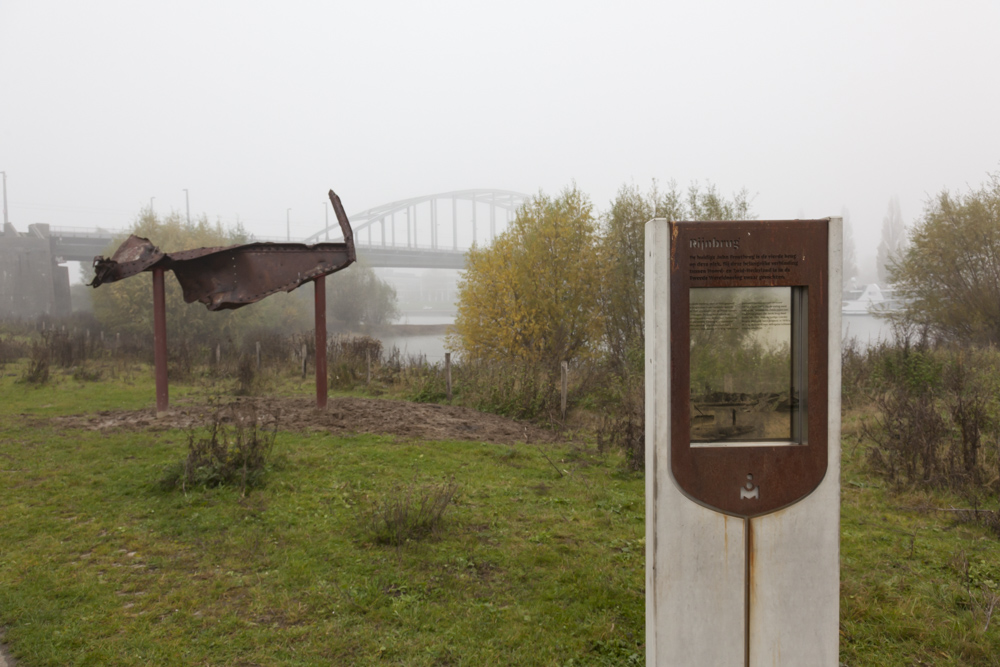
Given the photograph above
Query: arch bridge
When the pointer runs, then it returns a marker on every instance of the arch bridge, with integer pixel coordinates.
(431, 231)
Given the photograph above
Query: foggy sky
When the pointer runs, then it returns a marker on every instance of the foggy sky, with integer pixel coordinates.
(256, 108)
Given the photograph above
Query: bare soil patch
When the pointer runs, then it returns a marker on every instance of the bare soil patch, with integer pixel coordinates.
(414, 421)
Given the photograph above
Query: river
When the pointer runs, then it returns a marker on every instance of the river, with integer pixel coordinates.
(865, 328)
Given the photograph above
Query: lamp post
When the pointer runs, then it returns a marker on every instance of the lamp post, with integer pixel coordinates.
(187, 206)
(5, 221)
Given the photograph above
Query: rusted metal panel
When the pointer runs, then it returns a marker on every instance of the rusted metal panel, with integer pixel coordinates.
(226, 278)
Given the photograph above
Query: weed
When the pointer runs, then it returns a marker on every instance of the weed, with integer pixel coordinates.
(12, 348)
(623, 423)
(351, 360)
(249, 380)
(409, 513)
(84, 373)
(234, 454)
(982, 585)
(37, 371)
(427, 383)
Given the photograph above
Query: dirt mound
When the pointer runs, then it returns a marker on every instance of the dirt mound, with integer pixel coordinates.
(417, 421)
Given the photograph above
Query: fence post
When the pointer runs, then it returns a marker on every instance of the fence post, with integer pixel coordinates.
(218, 354)
(564, 367)
(447, 373)
(368, 360)
(304, 352)
(258, 355)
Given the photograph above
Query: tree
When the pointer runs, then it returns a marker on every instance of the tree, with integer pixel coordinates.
(358, 299)
(530, 297)
(126, 306)
(622, 259)
(893, 241)
(950, 272)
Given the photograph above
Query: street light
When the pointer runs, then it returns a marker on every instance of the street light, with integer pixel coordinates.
(187, 205)
(288, 225)
(5, 221)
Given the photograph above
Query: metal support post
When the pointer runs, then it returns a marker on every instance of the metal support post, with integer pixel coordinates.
(320, 285)
(160, 341)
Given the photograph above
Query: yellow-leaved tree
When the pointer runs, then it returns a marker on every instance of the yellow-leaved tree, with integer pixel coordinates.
(529, 299)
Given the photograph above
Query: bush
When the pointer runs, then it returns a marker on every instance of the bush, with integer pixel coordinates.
(409, 513)
(934, 410)
(512, 390)
(37, 371)
(349, 359)
(235, 452)
(623, 419)
(12, 349)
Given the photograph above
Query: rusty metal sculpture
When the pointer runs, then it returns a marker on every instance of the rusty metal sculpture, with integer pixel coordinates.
(231, 277)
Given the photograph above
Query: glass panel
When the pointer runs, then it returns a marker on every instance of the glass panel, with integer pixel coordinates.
(746, 364)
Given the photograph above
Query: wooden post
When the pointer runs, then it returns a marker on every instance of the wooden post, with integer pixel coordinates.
(218, 354)
(368, 361)
(159, 341)
(447, 373)
(258, 355)
(321, 379)
(304, 354)
(564, 368)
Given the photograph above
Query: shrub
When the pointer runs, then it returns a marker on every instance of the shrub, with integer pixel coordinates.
(623, 418)
(250, 381)
(934, 411)
(408, 513)
(37, 371)
(514, 390)
(236, 453)
(348, 359)
(12, 349)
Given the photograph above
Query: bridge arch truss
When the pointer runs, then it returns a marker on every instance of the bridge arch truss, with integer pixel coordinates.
(444, 221)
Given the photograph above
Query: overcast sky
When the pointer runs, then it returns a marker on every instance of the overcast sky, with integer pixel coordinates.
(256, 108)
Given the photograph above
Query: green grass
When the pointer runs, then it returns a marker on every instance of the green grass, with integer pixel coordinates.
(531, 566)
(98, 566)
(906, 598)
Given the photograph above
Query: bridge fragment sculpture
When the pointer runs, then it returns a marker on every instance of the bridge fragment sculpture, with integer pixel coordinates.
(232, 277)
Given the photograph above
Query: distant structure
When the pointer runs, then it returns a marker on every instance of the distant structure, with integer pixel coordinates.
(871, 299)
(32, 280)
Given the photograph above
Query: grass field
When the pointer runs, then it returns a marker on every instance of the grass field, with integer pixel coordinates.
(539, 559)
